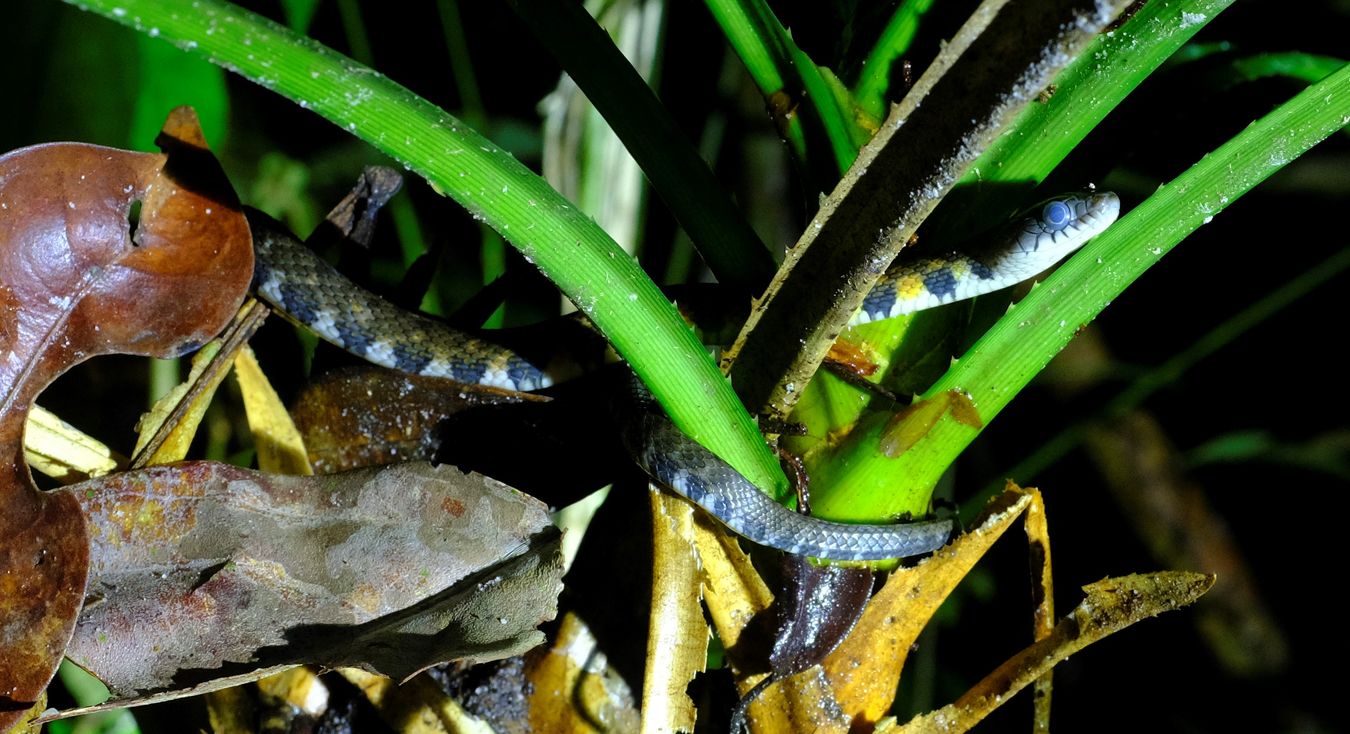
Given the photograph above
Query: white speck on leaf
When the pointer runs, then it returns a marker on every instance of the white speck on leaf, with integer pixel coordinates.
(1190, 19)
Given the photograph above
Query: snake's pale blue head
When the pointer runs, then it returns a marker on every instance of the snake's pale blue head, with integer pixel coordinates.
(1064, 223)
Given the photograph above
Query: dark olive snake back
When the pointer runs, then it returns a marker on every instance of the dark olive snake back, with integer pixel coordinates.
(315, 295)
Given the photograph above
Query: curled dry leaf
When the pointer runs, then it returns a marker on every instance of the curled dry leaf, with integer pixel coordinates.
(74, 283)
(201, 570)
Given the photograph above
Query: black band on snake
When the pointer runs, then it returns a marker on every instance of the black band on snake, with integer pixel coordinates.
(313, 294)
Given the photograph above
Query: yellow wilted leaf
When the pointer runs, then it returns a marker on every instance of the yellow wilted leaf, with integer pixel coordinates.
(183, 403)
(677, 640)
(1109, 606)
(280, 448)
(573, 690)
(166, 430)
(865, 669)
(62, 451)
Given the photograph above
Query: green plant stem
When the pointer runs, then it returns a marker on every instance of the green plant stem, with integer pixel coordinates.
(495, 188)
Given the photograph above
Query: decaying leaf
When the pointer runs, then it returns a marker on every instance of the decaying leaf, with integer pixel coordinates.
(204, 574)
(75, 283)
(819, 606)
(62, 451)
(739, 602)
(573, 689)
(864, 670)
(200, 571)
(418, 707)
(677, 639)
(365, 416)
(816, 609)
(1110, 606)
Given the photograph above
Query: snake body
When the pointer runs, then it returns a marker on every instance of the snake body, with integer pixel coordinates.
(702, 477)
(313, 294)
(1018, 252)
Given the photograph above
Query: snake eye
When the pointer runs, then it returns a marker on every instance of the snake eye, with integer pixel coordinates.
(1056, 215)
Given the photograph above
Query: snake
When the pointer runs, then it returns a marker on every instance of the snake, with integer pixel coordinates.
(308, 291)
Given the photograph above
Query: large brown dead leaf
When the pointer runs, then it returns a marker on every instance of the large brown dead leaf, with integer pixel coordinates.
(74, 284)
(202, 572)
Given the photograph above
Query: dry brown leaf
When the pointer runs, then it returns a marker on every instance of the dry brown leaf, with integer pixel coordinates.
(74, 284)
(365, 416)
(202, 572)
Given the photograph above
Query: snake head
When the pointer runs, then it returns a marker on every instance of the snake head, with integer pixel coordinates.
(1062, 224)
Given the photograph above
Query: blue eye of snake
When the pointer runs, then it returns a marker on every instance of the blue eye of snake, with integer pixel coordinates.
(1056, 215)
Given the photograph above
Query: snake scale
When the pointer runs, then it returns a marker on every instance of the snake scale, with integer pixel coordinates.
(313, 294)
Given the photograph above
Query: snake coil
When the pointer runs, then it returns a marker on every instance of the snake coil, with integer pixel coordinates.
(313, 294)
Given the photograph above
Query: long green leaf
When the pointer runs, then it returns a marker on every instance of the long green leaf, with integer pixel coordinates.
(1001, 363)
(567, 246)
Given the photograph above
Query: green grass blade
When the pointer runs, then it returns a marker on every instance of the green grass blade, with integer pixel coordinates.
(875, 79)
(779, 68)
(1170, 372)
(1087, 89)
(679, 176)
(1304, 67)
(495, 188)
